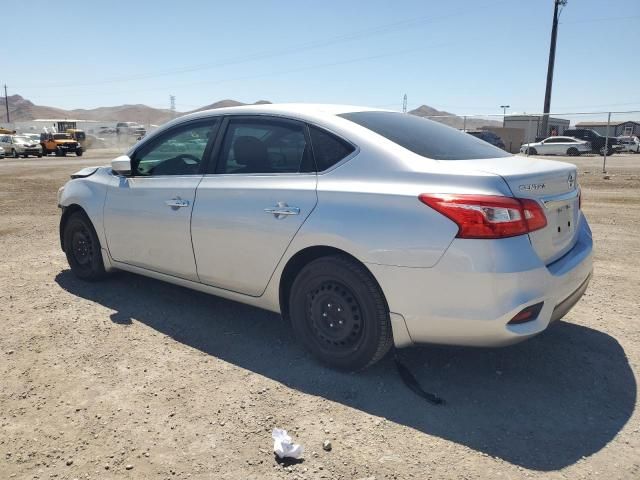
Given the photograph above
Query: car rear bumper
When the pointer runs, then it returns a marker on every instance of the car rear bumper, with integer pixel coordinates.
(478, 286)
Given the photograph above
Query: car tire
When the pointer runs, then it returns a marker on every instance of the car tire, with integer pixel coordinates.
(573, 152)
(532, 151)
(82, 248)
(79, 152)
(39, 155)
(339, 313)
(14, 154)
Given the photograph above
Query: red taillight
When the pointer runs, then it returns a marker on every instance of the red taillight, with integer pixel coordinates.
(488, 216)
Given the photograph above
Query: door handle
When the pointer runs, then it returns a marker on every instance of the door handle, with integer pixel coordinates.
(282, 209)
(177, 203)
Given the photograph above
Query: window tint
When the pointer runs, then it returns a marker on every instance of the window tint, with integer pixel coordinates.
(178, 152)
(327, 148)
(425, 137)
(263, 146)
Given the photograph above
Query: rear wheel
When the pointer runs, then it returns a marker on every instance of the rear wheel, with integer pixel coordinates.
(573, 152)
(82, 247)
(339, 313)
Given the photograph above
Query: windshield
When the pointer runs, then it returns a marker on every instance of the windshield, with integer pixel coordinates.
(425, 137)
(21, 140)
(62, 136)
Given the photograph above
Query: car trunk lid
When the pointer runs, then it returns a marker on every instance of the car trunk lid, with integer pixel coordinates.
(552, 184)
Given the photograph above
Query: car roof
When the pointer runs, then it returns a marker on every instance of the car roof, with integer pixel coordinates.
(296, 110)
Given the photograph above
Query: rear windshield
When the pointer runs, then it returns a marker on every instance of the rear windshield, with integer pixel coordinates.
(425, 137)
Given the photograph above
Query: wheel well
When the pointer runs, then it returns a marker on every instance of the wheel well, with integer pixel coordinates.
(66, 213)
(297, 263)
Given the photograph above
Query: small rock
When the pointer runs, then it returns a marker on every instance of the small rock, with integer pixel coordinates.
(607, 177)
(69, 462)
(10, 352)
(106, 467)
(326, 446)
(129, 467)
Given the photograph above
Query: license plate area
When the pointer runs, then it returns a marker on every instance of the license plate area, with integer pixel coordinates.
(563, 226)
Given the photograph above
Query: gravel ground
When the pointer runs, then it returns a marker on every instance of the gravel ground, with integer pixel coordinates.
(134, 378)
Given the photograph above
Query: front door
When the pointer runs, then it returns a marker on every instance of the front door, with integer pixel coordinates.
(147, 215)
(250, 206)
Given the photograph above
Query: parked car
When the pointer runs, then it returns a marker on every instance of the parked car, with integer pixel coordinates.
(557, 146)
(34, 137)
(106, 131)
(130, 128)
(363, 228)
(629, 144)
(489, 137)
(17, 145)
(596, 140)
(60, 144)
(1, 153)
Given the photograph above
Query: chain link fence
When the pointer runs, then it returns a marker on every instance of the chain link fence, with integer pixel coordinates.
(572, 133)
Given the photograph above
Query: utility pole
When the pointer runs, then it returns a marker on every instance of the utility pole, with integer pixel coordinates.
(172, 105)
(504, 112)
(557, 8)
(6, 103)
(404, 104)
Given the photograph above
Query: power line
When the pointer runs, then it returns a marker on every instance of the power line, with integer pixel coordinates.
(282, 72)
(604, 19)
(364, 33)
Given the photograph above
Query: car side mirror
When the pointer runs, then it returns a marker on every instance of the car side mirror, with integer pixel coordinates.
(121, 165)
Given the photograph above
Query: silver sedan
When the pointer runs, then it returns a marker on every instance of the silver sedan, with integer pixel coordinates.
(364, 228)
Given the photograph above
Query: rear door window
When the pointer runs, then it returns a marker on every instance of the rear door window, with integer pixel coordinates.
(264, 145)
(425, 137)
(327, 148)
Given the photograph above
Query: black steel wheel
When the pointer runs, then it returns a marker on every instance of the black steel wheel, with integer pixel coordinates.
(339, 313)
(82, 247)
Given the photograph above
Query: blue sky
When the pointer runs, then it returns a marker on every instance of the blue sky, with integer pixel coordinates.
(464, 56)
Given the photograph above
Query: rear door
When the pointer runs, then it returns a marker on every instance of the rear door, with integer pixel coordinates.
(252, 202)
(147, 215)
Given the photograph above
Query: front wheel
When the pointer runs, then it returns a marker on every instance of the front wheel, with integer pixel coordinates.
(573, 152)
(79, 152)
(14, 153)
(82, 248)
(532, 151)
(339, 313)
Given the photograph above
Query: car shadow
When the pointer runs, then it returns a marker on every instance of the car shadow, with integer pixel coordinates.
(542, 404)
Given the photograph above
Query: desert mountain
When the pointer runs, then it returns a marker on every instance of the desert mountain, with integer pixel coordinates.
(452, 119)
(23, 110)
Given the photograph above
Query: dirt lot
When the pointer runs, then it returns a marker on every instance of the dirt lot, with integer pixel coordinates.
(133, 378)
